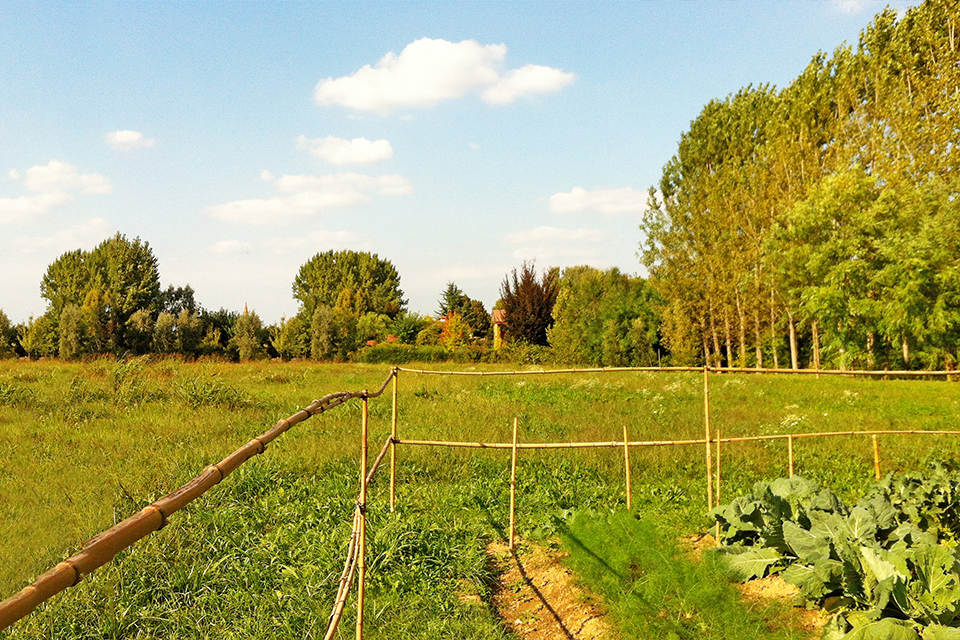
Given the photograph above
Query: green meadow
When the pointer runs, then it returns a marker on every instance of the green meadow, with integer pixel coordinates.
(83, 446)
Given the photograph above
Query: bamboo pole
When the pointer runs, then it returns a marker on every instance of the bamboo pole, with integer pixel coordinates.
(361, 554)
(626, 467)
(706, 425)
(719, 440)
(540, 372)
(346, 578)
(393, 444)
(876, 457)
(814, 371)
(790, 454)
(513, 482)
(550, 445)
(664, 443)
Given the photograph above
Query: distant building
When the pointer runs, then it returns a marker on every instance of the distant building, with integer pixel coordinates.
(499, 322)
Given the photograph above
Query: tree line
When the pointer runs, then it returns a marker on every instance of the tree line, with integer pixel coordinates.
(109, 301)
(819, 224)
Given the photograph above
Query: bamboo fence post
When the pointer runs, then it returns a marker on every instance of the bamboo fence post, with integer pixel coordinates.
(513, 482)
(706, 424)
(876, 457)
(626, 467)
(719, 438)
(790, 454)
(362, 560)
(393, 444)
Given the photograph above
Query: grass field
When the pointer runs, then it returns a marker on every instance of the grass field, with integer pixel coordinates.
(84, 445)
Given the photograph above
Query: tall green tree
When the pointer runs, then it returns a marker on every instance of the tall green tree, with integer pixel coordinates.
(351, 280)
(454, 300)
(8, 336)
(110, 283)
(605, 318)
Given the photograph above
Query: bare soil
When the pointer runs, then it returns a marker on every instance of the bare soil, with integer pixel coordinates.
(539, 599)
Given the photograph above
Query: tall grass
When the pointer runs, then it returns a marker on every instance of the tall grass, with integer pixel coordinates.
(84, 445)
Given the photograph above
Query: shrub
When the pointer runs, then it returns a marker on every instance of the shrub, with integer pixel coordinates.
(393, 353)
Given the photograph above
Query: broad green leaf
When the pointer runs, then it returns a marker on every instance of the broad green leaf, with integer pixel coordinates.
(886, 629)
(880, 568)
(938, 632)
(806, 545)
(861, 526)
(828, 525)
(750, 563)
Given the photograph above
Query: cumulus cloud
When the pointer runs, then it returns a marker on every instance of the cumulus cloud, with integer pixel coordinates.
(429, 71)
(49, 186)
(302, 197)
(607, 201)
(339, 151)
(556, 245)
(127, 140)
(531, 78)
(80, 235)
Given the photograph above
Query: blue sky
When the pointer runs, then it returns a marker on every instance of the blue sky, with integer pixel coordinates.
(456, 139)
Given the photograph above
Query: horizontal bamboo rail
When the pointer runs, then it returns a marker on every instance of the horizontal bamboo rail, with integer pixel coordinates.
(826, 372)
(103, 547)
(549, 445)
(660, 443)
(826, 434)
(540, 372)
(833, 372)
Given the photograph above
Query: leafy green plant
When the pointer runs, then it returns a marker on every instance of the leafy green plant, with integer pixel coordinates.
(882, 562)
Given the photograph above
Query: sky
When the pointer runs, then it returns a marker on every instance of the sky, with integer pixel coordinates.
(455, 139)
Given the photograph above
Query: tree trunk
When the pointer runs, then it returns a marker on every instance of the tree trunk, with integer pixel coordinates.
(906, 350)
(757, 336)
(742, 352)
(729, 340)
(773, 333)
(871, 363)
(816, 347)
(716, 340)
(706, 346)
(793, 342)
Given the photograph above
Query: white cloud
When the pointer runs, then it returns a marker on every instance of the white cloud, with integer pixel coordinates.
(302, 197)
(552, 245)
(339, 151)
(607, 201)
(61, 176)
(50, 186)
(531, 78)
(231, 246)
(127, 140)
(266, 176)
(429, 71)
(87, 234)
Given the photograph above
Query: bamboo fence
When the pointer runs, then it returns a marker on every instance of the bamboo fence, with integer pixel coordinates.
(102, 548)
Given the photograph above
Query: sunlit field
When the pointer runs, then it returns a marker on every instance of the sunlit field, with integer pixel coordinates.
(85, 445)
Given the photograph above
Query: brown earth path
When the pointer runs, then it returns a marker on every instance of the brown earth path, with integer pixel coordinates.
(539, 599)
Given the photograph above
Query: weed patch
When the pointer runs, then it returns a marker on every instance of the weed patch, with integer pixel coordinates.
(653, 591)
